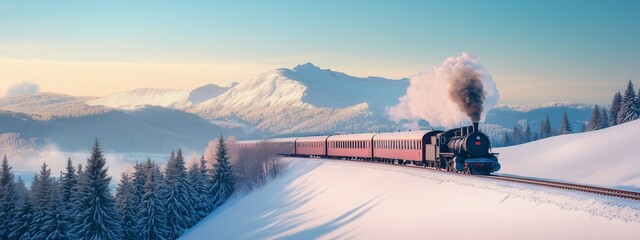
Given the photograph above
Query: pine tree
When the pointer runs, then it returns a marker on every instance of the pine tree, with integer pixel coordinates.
(76, 198)
(139, 176)
(69, 182)
(605, 118)
(22, 222)
(615, 109)
(177, 196)
(57, 224)
(638, 104)
(100, 219)
(506, 139)
(545, 128)
(7, 198)
(43, 199)
(596, 120)
(566, 126)
(517, 134)
(152, 224)
(223, 179)
(68, 194)
(629, 108)
(200, 195)
(126, 203)
(528, 135)
(583, 127)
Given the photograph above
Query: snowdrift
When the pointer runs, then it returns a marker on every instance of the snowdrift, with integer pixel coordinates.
(336, 199)
(608, 157)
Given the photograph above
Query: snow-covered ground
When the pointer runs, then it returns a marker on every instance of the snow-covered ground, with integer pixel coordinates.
(608, 157)
(335, 199)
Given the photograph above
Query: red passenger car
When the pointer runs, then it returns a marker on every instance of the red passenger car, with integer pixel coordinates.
(312, 146)
(415, 146)
(350, 146)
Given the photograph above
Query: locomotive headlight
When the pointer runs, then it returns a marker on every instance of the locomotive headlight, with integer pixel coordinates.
(478, 138)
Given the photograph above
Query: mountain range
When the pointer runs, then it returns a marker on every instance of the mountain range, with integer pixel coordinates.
(303, 100)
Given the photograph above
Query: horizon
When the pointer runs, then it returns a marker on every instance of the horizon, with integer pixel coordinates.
(534, 50)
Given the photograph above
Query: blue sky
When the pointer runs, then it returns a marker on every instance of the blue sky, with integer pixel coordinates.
(534, 49)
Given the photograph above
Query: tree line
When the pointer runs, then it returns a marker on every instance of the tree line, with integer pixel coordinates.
(624, 108)
(148, 203)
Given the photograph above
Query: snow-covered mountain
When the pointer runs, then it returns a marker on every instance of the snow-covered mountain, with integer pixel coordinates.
(171, 98)
(307, 99)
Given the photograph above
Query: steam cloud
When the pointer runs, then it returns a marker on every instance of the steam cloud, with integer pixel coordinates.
(455, 93)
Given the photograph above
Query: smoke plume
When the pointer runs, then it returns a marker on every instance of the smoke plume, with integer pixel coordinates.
(457, 92)
(467, 91)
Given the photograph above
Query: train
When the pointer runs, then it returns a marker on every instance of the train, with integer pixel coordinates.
(462, 150)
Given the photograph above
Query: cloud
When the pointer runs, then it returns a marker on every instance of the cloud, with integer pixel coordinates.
(15, 88)
(435, 94)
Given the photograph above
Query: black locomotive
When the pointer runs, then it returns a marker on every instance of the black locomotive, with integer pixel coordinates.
(467, 150)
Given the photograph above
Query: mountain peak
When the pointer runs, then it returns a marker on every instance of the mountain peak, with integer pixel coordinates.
(306, 67)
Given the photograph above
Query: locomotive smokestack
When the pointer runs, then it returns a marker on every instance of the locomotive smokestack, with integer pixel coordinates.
(476, 128)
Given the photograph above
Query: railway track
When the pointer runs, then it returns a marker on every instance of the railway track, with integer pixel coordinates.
(569, 186)
(539, 182)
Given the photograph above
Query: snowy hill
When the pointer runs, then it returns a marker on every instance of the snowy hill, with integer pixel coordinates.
(48, 105)
(171, 98)
(336, 199)
(307, 99)
(148, 129)
(608, 157)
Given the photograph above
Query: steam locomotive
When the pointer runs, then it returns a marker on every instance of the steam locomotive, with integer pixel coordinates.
(462, 150)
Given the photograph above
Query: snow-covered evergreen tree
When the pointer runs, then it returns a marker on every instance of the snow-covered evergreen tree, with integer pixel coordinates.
(517, 134)
(629, 108)
(506, 139)
(528, 135)
(43, 199)
(595, 122)
(126, 203)
(22, 221)
(565, 128)
(178, 196)
(604, 115)
(223, 180)
(81, 182)
(69, 182)
(99, 218)
(23, 216)
(152, 224)
(638, 104)
(57, 225)
(69, 191)
(545, 128)
(615, 109)
(197, 178)
(7, 198)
